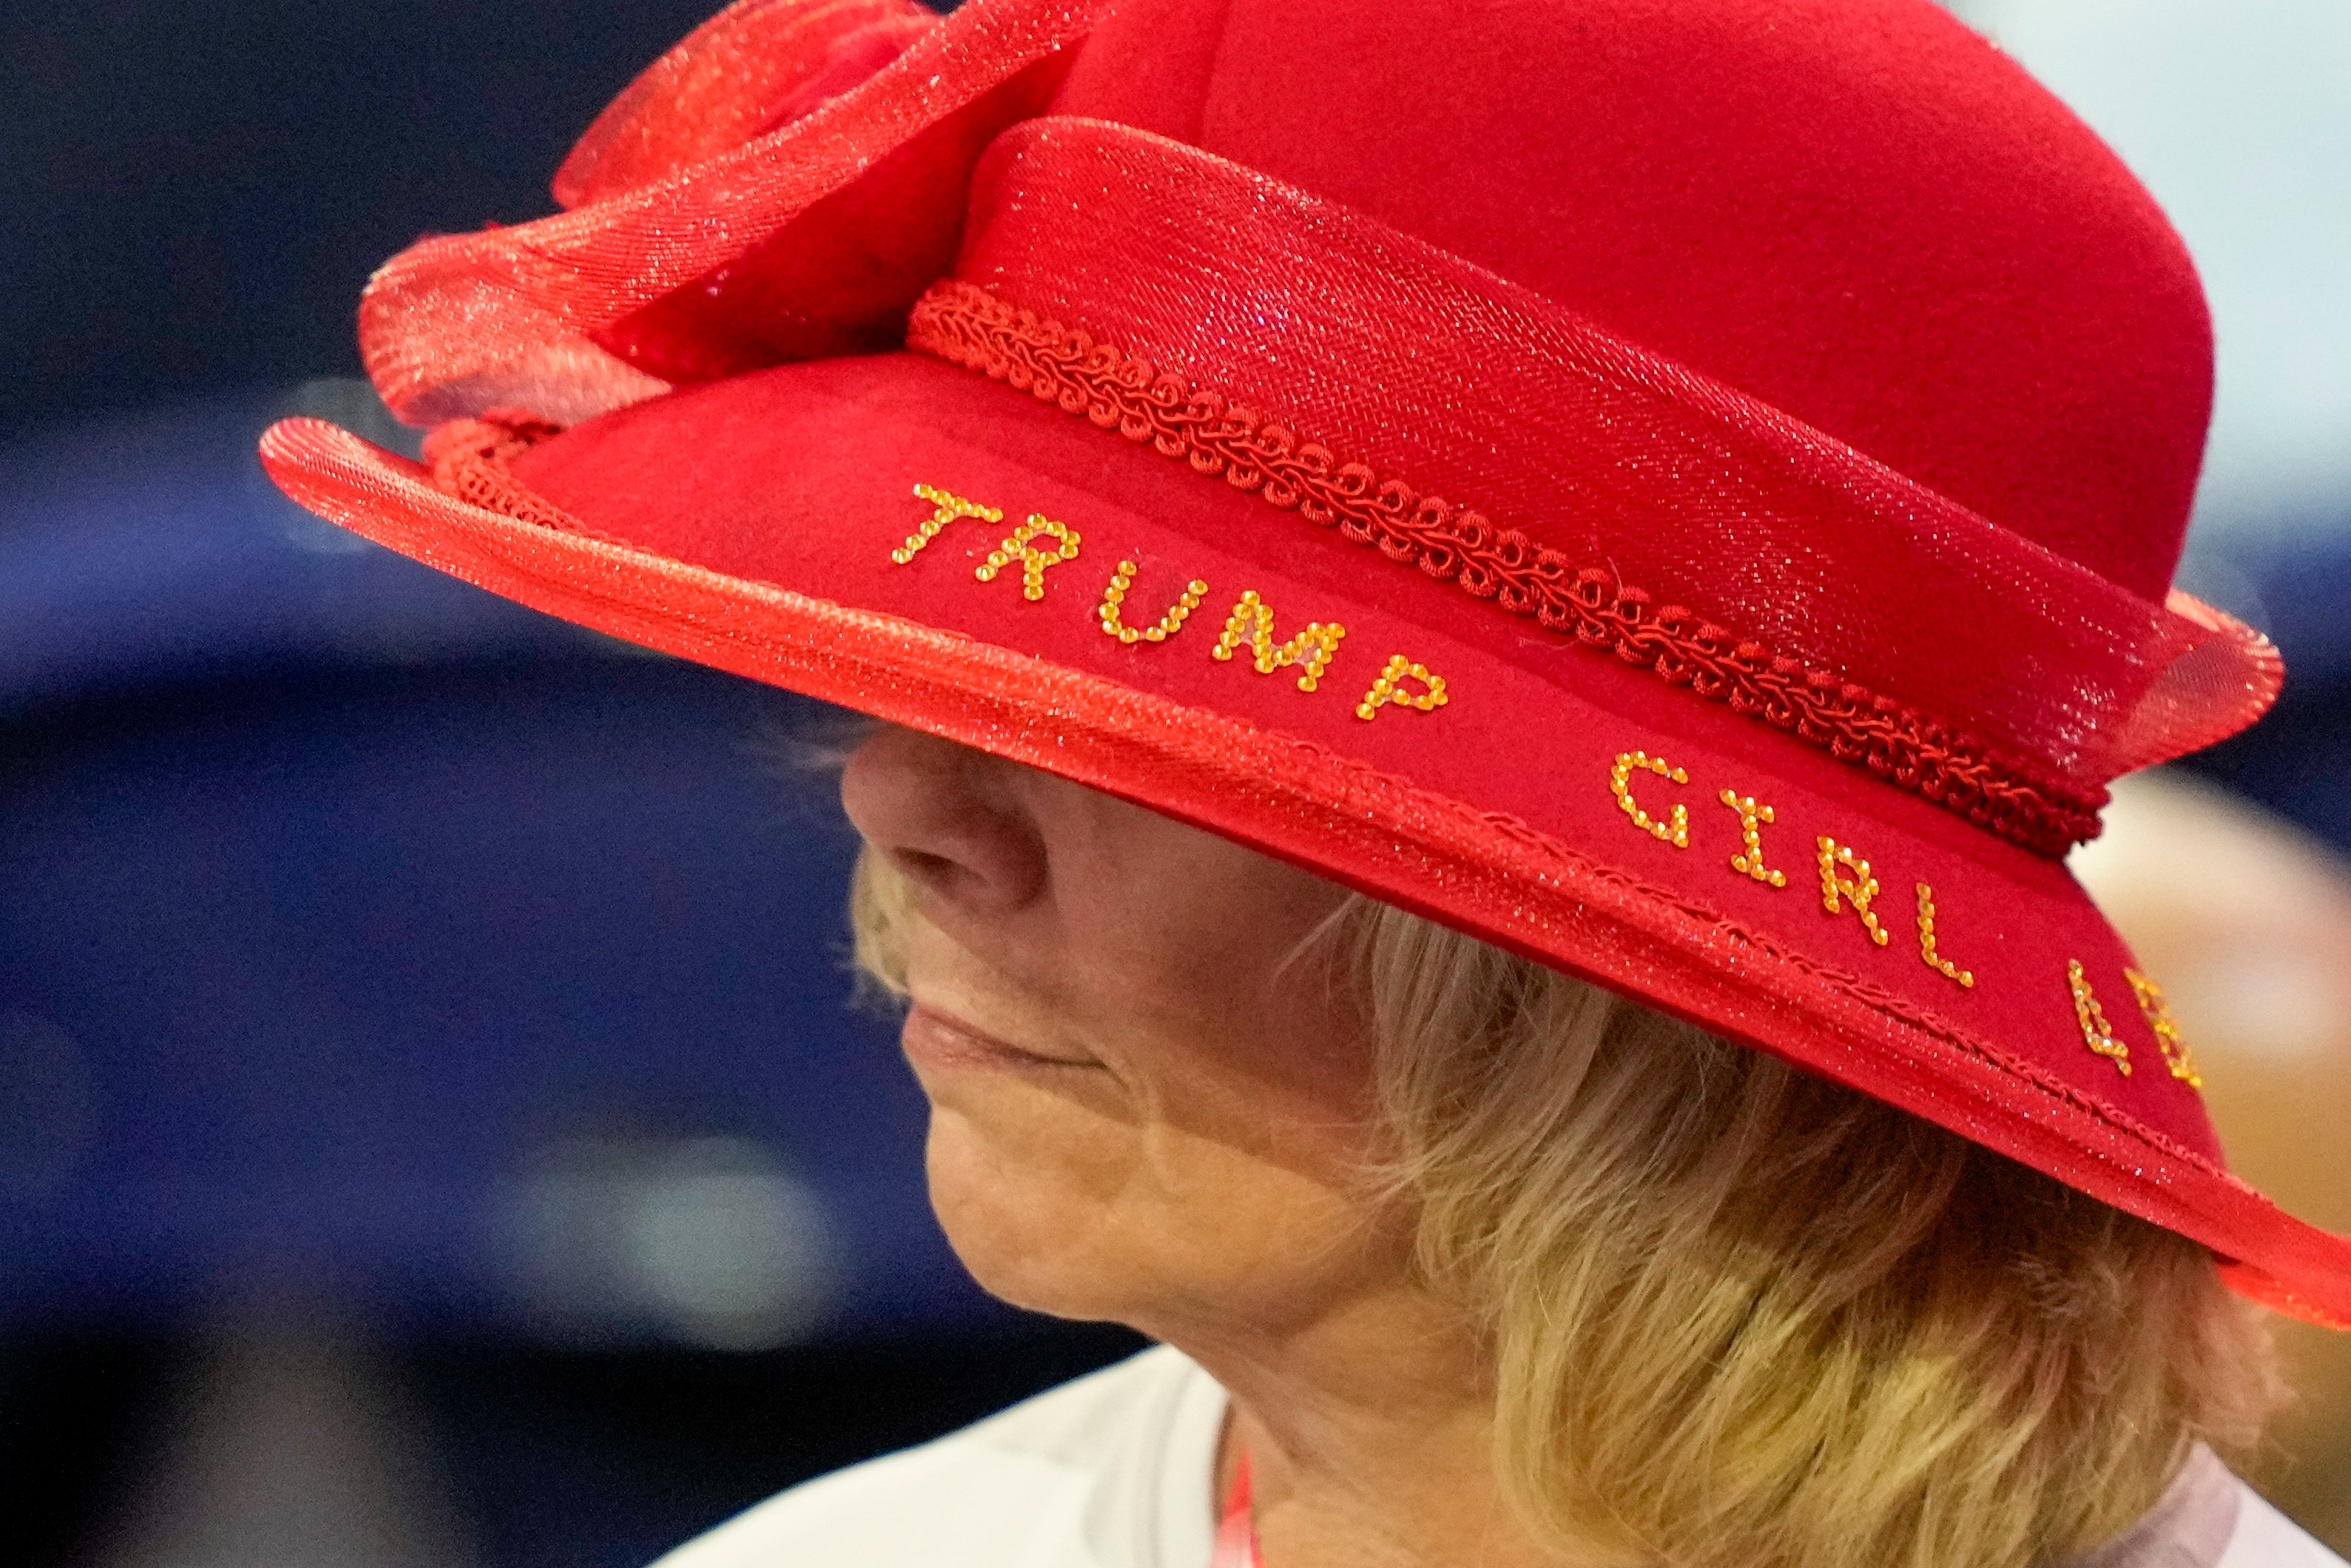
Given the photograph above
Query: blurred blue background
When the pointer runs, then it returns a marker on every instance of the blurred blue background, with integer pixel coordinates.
(435, 1125)
(389, 975)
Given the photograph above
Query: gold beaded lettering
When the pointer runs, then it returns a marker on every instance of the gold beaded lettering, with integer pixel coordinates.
(1388, 689)
(2158, 1012)
(950, 507)
(1927, 948)
(1749, 861)
(1115, 598)
(1251, 623)
(1861, 888)
(2096, 1034)
(1674, 829)
(1033, 561)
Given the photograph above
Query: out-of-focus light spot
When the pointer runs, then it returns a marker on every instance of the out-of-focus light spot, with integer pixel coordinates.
(2234, 117)
(2246, 924)
(295, 1446)
(352, 404)
(2277, 1004)
(702, 1241)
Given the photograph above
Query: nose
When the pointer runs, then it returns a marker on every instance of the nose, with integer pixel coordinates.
(954, 820)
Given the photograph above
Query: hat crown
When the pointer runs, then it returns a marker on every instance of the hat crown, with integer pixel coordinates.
(1858, 211)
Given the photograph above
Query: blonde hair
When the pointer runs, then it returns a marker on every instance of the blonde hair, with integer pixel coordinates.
(1741, 1317)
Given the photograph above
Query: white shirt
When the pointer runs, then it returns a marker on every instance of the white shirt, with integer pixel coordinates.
(1117, 1471)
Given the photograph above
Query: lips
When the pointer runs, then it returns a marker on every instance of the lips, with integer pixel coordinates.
(934, 1039)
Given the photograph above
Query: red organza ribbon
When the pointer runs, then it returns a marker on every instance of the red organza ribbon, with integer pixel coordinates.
(1417, 364)
(871, 174)
(754, 68)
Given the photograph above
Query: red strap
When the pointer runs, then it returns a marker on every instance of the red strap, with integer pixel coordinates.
(1237, 1532)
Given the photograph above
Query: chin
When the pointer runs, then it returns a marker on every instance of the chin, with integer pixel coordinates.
(1023, 1225)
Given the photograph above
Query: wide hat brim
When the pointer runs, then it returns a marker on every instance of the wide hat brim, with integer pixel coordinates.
(922, 542)
(749, 525)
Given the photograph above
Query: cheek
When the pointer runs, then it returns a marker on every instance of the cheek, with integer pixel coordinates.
(1220, 1014)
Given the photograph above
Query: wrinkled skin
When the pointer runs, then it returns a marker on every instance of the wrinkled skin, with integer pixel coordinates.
(1152, 1102)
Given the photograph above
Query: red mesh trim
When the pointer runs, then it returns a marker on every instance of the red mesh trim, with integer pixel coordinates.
(965, 325)
(469, 456)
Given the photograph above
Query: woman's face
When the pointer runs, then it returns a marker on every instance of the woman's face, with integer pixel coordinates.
(1147, 1105)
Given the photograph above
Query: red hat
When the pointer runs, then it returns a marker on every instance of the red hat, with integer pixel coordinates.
(1686, 492)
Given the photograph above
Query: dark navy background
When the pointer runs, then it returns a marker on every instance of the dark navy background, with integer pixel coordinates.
(195, 193)
(378, 957)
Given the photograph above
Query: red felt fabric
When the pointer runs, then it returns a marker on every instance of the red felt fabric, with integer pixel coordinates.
(1856, 210)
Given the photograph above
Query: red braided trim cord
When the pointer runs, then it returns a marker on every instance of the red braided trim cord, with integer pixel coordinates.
(965, 325)
(469, 456)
